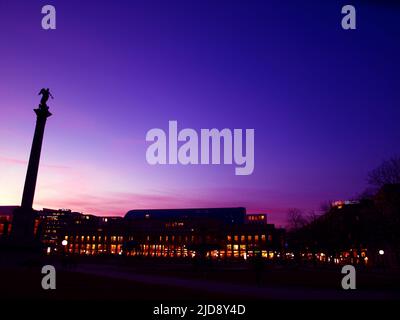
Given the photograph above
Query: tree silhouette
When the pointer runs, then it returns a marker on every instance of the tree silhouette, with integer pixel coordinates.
(387, 173)
(295, 219)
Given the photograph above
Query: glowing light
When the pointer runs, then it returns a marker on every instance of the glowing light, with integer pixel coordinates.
(381, 252)
(64, 242)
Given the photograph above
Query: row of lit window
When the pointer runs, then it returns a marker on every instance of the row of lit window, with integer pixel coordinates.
(147, 247)
(93, 248)
(95, 238)
(256, 217)
(174, 224)
(242, 247)
(249, 238)
(173, 238)
(167, 251)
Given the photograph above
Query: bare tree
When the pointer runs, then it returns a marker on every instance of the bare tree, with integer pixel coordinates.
(295, 219)
(368, 193)
(387, 173)
(312, 217)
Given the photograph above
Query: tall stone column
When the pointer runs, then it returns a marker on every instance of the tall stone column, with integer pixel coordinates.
(42, 114)
(24, 217)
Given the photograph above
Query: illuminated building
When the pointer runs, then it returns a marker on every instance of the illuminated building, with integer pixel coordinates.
(224, 233)
(53, 225)
(6, 220)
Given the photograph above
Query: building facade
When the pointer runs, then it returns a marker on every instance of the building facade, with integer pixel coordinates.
(218, 233)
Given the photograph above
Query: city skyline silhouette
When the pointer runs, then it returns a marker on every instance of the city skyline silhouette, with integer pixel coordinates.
(323, 113)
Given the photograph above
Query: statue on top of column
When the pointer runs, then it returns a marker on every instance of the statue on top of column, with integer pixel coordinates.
(45, 96)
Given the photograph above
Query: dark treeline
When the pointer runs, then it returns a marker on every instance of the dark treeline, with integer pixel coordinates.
(367, 227)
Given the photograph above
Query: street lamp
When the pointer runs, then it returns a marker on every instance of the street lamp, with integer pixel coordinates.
(381, 252)
(64, 244)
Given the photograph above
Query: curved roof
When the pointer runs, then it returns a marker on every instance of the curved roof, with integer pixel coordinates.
(231, 215)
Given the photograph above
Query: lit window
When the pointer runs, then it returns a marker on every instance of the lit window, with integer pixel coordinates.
(229, 238)
(113, 249)
(263, 238)
(242, 238)
(264, 253)
(236, 238)
(249, 238)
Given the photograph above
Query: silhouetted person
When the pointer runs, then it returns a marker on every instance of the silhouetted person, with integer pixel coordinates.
(45, 96)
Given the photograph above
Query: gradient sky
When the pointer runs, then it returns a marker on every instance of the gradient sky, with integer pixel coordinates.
(324, 102)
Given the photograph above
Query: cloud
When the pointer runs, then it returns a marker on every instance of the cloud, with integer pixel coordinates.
(118, 203)
(24, 162)
(112, 203)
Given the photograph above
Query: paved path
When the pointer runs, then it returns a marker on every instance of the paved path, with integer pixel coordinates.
(236, 290)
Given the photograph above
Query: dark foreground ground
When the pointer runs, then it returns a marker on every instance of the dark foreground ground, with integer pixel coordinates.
(110, 288)
(160, 280)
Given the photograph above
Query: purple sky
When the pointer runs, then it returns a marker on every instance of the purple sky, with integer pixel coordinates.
(324, 102)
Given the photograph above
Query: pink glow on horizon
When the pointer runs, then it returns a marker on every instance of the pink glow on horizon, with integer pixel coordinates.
(83, 190)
